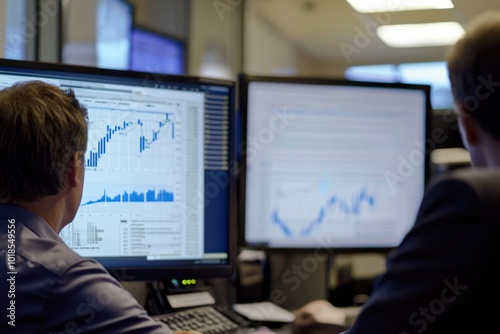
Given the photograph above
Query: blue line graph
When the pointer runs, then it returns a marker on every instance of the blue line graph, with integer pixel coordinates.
(354, 209)
(144, 141)
(151, 195)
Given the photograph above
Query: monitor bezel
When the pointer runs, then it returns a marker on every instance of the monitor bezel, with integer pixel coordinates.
(159, 80)
(244, 80)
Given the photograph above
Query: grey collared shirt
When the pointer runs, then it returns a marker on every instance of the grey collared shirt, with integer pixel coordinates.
(49, 288)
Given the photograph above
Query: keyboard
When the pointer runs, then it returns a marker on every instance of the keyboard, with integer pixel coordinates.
(208, 320)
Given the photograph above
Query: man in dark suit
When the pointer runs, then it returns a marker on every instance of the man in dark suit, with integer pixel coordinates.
(443, 277)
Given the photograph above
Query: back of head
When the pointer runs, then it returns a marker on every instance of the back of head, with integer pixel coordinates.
(474, 70)
(41, 126)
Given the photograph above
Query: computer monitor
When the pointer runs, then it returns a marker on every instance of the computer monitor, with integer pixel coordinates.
(331, 163)
(158, 195)
(155, 52)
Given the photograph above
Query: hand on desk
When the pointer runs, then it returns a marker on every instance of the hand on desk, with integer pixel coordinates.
(320, 312)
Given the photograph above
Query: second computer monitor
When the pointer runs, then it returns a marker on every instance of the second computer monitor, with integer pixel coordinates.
(331, 163)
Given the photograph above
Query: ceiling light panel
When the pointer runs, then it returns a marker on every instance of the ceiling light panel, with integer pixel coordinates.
(420, 35)
(379, 6)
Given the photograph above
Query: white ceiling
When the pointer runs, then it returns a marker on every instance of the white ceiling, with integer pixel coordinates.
(322, 28)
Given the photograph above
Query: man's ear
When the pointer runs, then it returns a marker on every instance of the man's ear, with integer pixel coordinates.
(468, 123)
(75, 167)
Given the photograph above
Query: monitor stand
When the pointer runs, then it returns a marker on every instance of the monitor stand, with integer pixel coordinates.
(296, 278)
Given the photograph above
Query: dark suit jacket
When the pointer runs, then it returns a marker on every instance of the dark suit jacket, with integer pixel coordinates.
(444, 277)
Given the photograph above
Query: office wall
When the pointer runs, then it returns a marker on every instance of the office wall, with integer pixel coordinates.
(78, 32)
(311, 66)
(266, 50)
(80, 23)
(215, 38)
(3, 8)
(167, 16)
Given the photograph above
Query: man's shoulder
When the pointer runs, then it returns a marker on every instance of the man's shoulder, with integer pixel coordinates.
(483, 183)
(466, 198)
(53, 255)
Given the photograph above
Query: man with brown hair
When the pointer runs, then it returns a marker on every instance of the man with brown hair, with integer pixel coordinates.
(49, 288)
